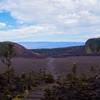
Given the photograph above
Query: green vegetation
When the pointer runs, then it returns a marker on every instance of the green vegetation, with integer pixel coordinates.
(16, 87)
(93, 45)
(75, 87)
(7, 53)
(20, 85)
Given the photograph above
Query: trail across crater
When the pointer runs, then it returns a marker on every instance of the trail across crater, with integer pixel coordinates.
(51, 67)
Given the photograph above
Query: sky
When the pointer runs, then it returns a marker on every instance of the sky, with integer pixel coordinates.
(49, 20)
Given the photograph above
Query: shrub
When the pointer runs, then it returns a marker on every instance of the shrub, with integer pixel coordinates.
(49, 78)
(75, 87)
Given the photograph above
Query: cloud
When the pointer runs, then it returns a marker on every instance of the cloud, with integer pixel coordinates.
(49, 10)
(20, 33)
(54, 16)
(48, 33)
(2, 25)
(31, 33)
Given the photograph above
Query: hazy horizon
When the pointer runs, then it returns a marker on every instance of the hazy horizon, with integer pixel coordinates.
(44, 45)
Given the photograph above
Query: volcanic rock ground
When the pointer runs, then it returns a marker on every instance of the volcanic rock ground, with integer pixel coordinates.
(56, 66)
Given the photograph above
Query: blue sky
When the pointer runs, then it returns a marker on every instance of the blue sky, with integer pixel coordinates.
(49, 20)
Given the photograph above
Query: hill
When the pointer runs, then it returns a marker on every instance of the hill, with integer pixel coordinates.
(19, 50)
(93, 46)
(62, 52)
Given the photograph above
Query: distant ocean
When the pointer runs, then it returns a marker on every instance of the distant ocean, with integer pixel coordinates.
(41, 45)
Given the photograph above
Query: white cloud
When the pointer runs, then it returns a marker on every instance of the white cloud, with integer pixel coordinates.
(55, 16)
(2, 25)
(48, 10)
(30, 33)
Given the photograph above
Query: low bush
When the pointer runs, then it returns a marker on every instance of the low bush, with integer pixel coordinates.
(75, 87)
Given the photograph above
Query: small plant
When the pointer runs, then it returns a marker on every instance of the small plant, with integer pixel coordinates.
(74, 68)
(75, 88)
(49, 78)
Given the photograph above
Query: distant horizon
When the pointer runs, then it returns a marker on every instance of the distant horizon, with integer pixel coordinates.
(49, 45)
(40, 41)
(48, 41)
